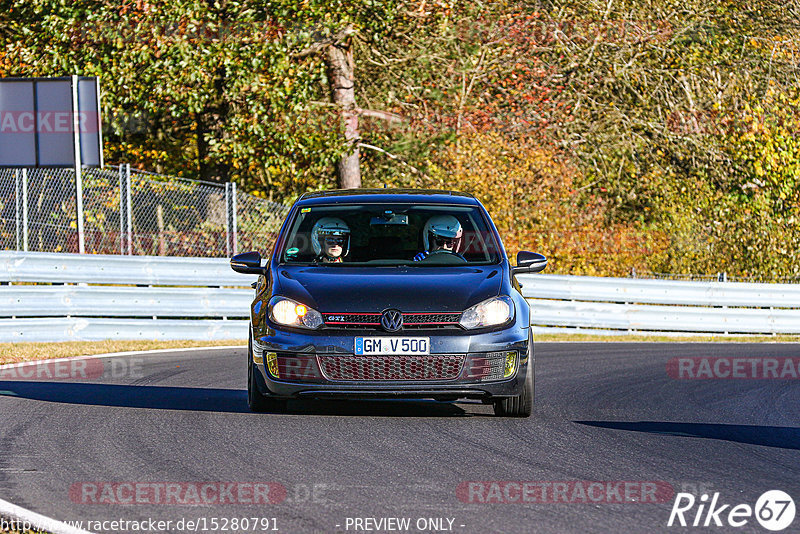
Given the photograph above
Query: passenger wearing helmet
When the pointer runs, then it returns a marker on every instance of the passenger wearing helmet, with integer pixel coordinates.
(330, 238)
(441, 234)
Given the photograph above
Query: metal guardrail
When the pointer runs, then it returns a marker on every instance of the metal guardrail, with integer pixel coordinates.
(98, 297)
(620, 305)
(88, 301)
(112, 269)
(635, 290)
(94, 329)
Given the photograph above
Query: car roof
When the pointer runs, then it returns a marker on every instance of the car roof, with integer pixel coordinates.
(416, 196)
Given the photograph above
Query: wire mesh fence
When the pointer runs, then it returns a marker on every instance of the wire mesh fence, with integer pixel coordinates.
(257, 221)
(126, 211)
(37, 210)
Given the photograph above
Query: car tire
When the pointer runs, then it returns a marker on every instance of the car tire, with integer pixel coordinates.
(520, 405)
(256, 400)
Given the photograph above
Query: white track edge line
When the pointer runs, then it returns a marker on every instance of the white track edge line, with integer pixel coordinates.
(116, 354)
(20, 514)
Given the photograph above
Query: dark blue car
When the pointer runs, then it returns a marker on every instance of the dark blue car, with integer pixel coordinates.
(388, 294)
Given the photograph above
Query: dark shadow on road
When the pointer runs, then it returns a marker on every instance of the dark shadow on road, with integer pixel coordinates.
(379, 408)
(214, 400)
(768, 436)
(152, 397)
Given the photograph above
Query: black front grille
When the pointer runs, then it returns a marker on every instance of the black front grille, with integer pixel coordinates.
(370, 368)
(411, 321)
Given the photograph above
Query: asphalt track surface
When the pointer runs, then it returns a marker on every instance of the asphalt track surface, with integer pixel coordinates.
(603, 412)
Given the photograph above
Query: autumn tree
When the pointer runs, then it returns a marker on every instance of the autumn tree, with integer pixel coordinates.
(666, 130)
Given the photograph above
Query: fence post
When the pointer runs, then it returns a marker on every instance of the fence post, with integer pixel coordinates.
(162, 241)
(129, 218)
(16, 207)
(235, 221)
(228, 219)
(121, 210)
(25, 210)
(79, 203)
(76, 133)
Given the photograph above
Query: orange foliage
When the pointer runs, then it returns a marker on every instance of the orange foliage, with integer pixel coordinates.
(529, 193)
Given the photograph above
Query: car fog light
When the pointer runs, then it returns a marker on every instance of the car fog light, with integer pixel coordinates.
(511, 364)
(272, 364)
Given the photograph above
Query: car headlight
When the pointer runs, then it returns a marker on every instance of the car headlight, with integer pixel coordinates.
(492, 312)
(292, 313)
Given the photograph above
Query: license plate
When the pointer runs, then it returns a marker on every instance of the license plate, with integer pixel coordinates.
(401, 346)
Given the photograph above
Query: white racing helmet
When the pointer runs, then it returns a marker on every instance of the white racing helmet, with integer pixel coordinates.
(330, 227)
(443, 226)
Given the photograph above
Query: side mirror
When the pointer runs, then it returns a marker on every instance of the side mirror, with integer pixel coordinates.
(529, 262)
(247, 263)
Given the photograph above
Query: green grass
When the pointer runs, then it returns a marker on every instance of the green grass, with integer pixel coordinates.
(23, 352)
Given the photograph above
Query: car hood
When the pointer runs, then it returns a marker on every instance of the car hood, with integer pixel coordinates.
(408, 289)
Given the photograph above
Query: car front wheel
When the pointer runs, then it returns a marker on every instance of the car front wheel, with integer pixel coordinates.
(520, 405)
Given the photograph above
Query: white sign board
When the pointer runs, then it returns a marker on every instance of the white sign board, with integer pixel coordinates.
(43, 119)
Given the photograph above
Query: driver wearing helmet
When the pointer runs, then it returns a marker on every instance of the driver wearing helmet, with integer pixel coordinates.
(441, 234)
(330, 238)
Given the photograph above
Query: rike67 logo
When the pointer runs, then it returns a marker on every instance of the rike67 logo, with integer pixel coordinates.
(774, 510)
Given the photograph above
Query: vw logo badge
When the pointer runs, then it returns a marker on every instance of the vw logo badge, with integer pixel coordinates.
(392, 320)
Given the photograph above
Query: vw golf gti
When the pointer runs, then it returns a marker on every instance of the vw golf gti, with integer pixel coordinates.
(388, 294)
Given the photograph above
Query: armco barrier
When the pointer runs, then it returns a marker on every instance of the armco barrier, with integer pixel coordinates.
(130, 297)
(112, 269)
(98, 329)
(628, 305)
(95, 297)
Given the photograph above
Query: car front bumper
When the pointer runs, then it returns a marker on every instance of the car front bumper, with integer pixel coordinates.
(297, 364)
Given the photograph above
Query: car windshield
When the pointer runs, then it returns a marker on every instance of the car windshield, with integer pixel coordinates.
(390, 235)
